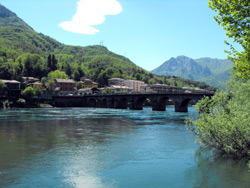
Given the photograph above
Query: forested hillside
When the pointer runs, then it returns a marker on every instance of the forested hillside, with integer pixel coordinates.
(24, 52)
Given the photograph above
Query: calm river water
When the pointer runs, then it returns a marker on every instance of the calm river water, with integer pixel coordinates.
(107, 148)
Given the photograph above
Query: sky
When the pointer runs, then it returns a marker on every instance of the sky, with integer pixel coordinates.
(148, 32)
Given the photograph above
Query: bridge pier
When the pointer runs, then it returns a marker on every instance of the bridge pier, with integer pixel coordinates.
(135, 105)
(181, 105)
(110, 103)
(179, 108)
(159, 104)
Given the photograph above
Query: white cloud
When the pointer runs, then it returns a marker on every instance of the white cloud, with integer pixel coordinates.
(90, 13)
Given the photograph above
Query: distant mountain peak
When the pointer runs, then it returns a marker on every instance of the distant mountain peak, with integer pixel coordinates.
(211, 70)
(4, 12)
(9, 18)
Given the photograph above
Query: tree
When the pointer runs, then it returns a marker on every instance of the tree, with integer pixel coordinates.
(68, 70)
(78, 85)
(38, 91)
(107, 91)
(53, 63)
(29, 93)
(49, 62)
(50, 85)
(57, 75)
(223, 122)
(2, 87)
(234, 17)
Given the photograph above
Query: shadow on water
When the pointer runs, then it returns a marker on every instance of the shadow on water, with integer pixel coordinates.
(213, 171)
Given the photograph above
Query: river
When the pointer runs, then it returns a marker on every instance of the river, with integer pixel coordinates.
(108, 148)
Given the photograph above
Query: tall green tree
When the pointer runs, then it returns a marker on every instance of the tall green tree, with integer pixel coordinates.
(234, 17)
(223, 121)
(49, 63)
(53, 63)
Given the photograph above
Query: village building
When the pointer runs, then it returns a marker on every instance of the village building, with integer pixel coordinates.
(88, 91)
(28, 80)
(135, 85)
(87, 83)
(13, 87)
(157, 88)
(116, 81)
(65, 87)
(160, 89)
(65, 84)
(120, 89)
(36, 85)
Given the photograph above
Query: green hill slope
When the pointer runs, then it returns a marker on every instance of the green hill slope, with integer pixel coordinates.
(24, 52)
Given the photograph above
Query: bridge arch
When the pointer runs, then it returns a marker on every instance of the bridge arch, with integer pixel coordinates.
(160, 104)
(137, 103)
(182, 105)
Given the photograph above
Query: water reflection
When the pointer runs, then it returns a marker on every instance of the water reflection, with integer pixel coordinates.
(213, 171)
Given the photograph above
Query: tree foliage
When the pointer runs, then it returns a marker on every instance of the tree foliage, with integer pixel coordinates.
(107, 91)
(2, 85)
(234, 17)
(29, 93)
(57, 75)
(223, 122)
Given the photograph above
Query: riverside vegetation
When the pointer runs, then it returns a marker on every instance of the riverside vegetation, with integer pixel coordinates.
(224, 121)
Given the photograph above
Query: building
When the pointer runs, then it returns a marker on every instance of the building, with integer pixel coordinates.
(161, 88)
(28, 80)
(65, 84)
(87, 83)
(135, 85)
(88, 91)
(37, 85)
(13, 87)
(94, 84)
(116, 82)
(120, 89)
(158, 88)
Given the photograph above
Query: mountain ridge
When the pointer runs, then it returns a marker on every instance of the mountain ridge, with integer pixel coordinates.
(213, 71)
(9, 18)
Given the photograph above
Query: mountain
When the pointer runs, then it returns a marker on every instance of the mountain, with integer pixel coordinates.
(8, 18)
(184, 67)
(212, 71)
(24, 52)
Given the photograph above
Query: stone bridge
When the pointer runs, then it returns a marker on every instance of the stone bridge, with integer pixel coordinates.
(132, 101)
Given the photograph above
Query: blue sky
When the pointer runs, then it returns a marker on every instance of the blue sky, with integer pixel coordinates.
(148, 32)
